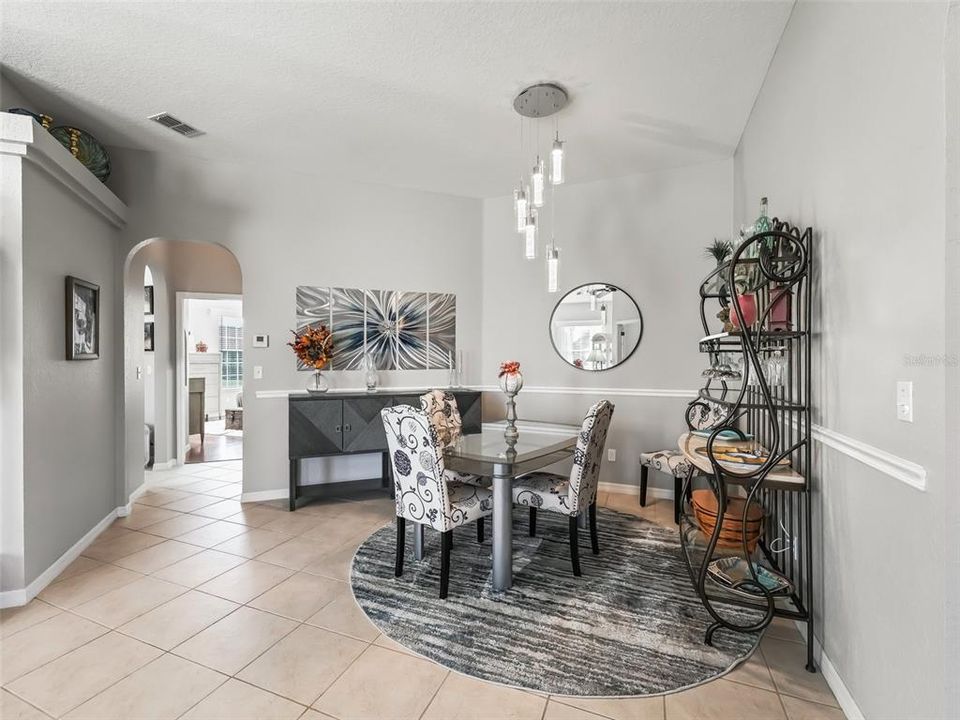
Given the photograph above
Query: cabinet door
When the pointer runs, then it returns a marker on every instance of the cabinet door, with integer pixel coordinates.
(362, 425)
(315, 427)
(470, 406)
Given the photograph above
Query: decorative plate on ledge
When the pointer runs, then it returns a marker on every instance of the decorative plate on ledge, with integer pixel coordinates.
(84, 148)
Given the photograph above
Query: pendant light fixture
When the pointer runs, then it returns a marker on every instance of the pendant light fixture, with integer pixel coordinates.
(536, 102)
(556, 161)
(530, 236)
(553, 269)
(536, 183)
(520, 207)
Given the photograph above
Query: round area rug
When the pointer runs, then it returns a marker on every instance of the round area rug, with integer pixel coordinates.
(630, 625)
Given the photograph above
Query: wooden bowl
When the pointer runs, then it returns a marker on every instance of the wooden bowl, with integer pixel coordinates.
(731, 529)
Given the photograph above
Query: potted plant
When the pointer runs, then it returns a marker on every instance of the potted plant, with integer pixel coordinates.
(313, 347)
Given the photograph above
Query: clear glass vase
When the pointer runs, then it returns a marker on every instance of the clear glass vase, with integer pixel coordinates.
(371, 377)
(318, 384)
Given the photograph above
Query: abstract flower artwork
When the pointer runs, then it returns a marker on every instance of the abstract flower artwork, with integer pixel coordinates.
(398, 330)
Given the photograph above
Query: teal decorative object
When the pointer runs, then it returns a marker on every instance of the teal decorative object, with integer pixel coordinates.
(84, 148)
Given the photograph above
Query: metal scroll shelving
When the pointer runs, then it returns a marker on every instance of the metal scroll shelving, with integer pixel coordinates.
(759, 384)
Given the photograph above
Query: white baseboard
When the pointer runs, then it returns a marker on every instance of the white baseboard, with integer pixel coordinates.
(847, 704)
(15, 598)
(263, 495)
(624, 489)
(124, 510)
(168, 465)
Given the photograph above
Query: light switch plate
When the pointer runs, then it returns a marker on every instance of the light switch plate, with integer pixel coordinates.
(258, 372)
(905, 400)
(612, 454)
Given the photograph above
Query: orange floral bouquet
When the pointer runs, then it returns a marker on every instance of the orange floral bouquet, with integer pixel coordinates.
(313, 346)
(509, 368)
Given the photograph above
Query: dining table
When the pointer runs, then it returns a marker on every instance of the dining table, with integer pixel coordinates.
(491, 453)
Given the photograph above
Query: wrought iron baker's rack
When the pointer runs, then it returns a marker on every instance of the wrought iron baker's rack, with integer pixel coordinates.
(761, 413)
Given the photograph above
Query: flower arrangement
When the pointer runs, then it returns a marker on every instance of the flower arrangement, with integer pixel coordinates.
(509, 368)
(313, 346)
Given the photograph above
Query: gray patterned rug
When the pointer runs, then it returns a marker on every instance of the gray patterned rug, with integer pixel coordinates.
(631, 625)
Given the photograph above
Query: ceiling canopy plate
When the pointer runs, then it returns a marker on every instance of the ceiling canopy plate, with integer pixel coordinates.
(541, 100)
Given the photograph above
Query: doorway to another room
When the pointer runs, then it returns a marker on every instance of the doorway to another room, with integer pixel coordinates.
(212, 333)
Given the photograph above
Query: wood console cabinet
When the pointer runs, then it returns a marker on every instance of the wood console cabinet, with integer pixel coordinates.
(350, 424)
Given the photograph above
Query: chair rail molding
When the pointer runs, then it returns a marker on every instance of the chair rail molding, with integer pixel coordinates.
(906, 471)
(606, 391)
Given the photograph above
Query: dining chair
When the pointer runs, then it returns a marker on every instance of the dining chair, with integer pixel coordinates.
(423, 494)
(570, 495)
(701, 415)
(441, 407)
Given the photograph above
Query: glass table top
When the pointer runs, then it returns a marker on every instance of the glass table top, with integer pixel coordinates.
(490, 446)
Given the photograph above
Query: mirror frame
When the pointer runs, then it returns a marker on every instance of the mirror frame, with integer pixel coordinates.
(573, 290)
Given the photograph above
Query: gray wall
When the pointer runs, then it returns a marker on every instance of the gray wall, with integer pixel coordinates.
(847, 135)
(287, 229)
(644, 233)
(69, 407)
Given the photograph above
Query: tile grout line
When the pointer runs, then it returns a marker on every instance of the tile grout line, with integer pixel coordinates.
(435, 692)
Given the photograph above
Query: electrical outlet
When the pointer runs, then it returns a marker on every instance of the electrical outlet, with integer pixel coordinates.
(905, 401)
(612, 454)
(257, 372)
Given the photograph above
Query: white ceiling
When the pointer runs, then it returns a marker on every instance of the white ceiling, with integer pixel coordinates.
(407, 94)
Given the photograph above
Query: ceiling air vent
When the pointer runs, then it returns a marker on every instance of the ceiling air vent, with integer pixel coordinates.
(178, 126)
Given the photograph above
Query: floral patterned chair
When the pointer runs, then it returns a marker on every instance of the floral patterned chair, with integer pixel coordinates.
(441, 407)
(423, 494)
(701, 415)
(569, 495)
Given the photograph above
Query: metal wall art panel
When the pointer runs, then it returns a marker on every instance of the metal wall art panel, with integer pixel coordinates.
(441, 330)
(398, 330)
(347, 325)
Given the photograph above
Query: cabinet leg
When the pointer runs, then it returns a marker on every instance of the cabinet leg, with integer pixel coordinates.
(294, 482)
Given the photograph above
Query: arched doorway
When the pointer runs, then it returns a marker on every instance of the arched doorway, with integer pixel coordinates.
(156, 381)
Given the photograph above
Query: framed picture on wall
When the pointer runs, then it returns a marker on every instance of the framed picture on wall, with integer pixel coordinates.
(148, 299)
(148, 337)
(83, 319)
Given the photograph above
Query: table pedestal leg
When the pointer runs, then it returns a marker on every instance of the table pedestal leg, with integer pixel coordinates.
(418, 541)
(502, 532)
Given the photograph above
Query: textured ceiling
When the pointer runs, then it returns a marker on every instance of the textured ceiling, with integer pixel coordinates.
(407, 94)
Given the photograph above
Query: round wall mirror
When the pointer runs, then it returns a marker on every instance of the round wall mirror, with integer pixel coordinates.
(596, 326)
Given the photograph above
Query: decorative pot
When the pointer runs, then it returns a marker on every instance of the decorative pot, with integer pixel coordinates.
(318, 384)
(511, 383)
(748, 306)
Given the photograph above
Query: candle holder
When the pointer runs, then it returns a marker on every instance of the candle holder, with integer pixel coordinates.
(511, 381)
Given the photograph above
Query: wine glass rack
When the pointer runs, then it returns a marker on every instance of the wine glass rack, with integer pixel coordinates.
(762, 406)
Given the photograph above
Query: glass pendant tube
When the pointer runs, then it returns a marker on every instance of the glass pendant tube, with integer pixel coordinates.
(556, 162)
(530, 236)
(520, 205)
(553, 269)
(536, 183)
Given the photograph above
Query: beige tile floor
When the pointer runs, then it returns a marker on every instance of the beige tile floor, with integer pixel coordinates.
(196, 606)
